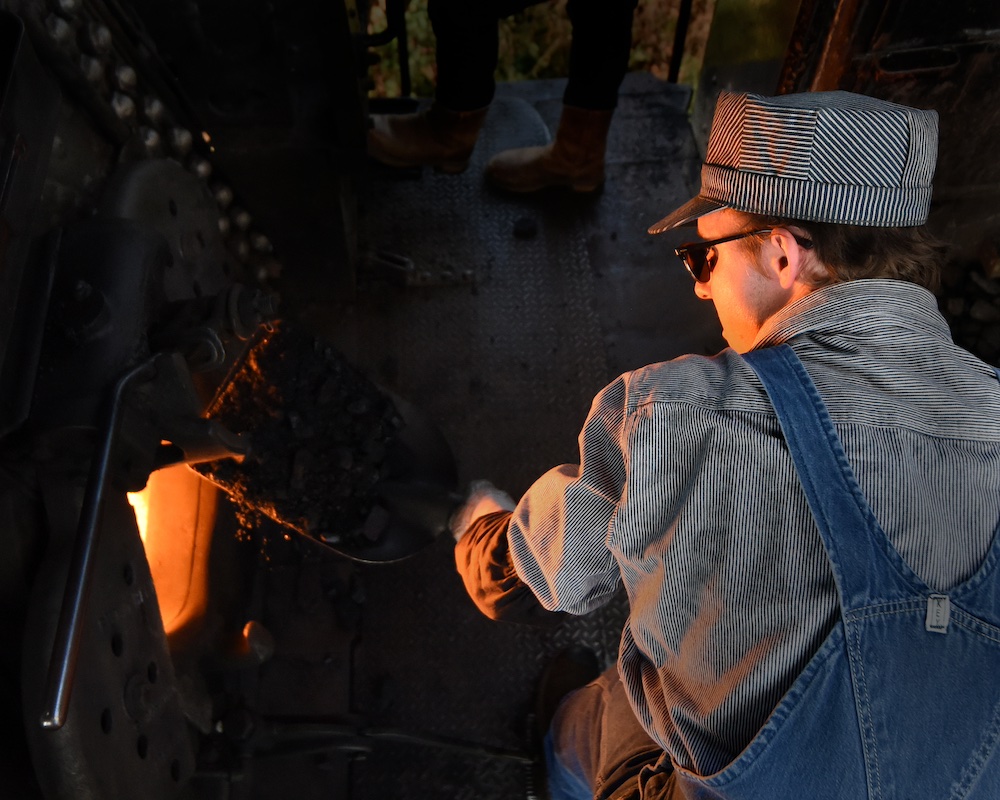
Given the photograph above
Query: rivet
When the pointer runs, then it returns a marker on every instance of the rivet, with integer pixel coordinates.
(97, 39)
(60, 31)
(92, 69)
(201, 167)
(126, 78)
(181, 140)
(150, 139)
(260, 243)
(241, 218)
(153, 109)
(67, 7)
(223, 196)
(124, 106)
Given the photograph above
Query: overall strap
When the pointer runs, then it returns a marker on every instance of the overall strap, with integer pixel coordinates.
(865, 565)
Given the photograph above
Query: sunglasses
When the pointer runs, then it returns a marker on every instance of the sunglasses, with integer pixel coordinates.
(696, 259)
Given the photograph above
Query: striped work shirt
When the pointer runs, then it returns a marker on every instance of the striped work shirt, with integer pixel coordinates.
(686, 493)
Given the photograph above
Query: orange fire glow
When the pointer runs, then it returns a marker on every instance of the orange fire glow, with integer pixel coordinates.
(140, 505)
(176, 517)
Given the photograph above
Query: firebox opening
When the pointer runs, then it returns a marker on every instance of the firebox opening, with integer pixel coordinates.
(176, 514)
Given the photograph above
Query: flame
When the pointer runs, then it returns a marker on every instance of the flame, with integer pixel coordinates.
(140, 505)
(176, 515)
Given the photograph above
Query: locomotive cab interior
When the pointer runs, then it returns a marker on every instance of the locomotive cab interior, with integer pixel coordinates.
(247, 372)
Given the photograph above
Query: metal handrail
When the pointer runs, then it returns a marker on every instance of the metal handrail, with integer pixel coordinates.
(66, 646)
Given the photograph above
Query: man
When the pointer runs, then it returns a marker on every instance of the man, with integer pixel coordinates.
(805, 523)
(444, 135)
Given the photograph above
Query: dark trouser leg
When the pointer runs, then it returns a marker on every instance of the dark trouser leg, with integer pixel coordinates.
(597, 744)
(466, 50)
(599, 54)
(467, 42)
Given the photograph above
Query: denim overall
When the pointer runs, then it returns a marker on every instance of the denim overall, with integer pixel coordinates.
(903, 698)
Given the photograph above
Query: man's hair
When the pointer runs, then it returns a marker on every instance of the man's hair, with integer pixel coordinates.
(852, 252)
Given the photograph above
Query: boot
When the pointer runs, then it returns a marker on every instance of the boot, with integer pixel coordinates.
(575, 158)
(436, 137)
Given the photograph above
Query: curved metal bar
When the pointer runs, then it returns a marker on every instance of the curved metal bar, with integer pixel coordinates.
(283, 735)
(66, 646)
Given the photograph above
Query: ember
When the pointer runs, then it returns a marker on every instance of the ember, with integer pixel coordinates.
(319, 436)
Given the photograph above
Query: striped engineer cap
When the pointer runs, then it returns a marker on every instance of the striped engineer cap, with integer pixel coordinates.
(818, 156)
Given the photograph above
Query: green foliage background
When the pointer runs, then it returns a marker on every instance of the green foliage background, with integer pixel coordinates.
(533, 45)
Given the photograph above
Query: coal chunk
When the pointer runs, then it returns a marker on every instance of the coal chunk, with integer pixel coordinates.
(319, 431)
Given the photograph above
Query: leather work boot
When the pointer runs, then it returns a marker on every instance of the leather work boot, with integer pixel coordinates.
(575, 158)
(436, 137)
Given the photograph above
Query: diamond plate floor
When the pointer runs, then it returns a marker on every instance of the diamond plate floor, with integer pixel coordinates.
(501, 317)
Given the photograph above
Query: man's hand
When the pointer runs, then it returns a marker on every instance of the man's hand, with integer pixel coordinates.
(481, 498)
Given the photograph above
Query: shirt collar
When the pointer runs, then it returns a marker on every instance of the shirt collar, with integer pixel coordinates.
(856, 307)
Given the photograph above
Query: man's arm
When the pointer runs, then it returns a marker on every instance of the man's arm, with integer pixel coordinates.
(483, 561)
(559, 559)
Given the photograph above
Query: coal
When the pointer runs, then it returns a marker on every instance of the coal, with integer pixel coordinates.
(319, 430)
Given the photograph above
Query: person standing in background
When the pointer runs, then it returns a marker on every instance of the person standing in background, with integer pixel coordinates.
(444, 134)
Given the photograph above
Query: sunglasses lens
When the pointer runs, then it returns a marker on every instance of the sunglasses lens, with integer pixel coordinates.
(699, 258)
(698, 262)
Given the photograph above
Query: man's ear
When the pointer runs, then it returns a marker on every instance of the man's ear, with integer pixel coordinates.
(789, 261)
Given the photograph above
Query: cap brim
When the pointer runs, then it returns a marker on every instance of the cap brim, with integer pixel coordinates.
(691, 211)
